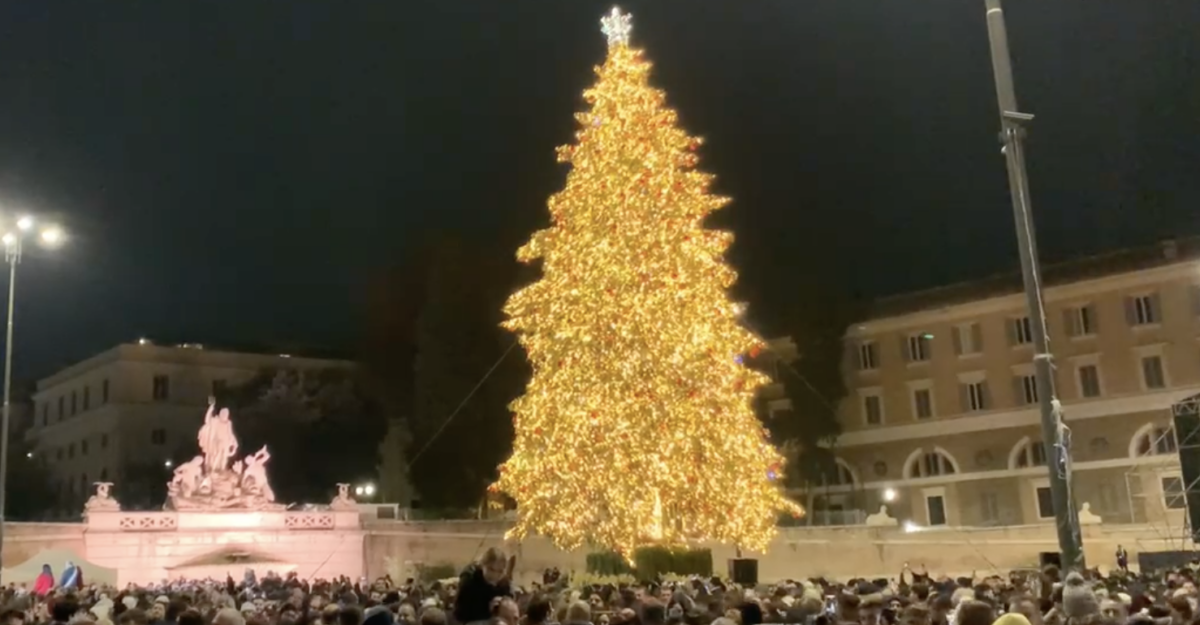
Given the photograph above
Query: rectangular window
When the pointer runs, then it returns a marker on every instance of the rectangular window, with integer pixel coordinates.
(989, 508)
(1080, 321)
(974, 396)
(45, 414)
(1033, 455)
(74, 403)
(1045, 502)
(935, 505)
(1174, 495)
(58, 454)
(1020, 331)
(70, 451)
(104, 441)
(1089, 381)
(1107, 496)
(923, 403)
(917, 347)
(1143, 310)
(83, 448)
(873, 409)
(104, 392)
(87, 398)
(162, 388)
(1153, 374)
(158, 437)
(62, 411)
(968, 339)
(1025, 389)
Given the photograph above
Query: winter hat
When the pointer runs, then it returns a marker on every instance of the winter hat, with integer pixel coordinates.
(130, 602)
(1011, 618)
(378, 615)
(1078, 599)
(103, 608)
(248, 608)
(961, 595)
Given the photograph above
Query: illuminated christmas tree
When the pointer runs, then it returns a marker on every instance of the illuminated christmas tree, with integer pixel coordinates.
(637, 426)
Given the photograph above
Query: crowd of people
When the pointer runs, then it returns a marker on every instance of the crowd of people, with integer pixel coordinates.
(486, 595)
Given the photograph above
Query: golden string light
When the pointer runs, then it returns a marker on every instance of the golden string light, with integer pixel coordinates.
(638, 424)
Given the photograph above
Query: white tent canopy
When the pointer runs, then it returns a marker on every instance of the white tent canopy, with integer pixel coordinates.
(27, 572)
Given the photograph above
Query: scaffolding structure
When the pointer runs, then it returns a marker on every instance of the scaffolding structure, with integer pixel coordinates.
(1181, 439)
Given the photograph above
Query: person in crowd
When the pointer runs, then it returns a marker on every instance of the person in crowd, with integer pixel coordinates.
(44, 582)
(479, 585)
(61, 612)
(72, 577)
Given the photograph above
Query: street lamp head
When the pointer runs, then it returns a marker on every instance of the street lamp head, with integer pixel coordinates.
(25, 222)
(9, 238)
(52, 235)
(369, 489)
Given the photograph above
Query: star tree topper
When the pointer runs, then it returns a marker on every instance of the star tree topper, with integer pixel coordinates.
(616, 27)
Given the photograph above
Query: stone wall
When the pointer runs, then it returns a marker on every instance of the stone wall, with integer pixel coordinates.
(22, 541)
(400, 548)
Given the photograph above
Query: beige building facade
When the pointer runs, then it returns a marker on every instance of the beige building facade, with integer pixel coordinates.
(941, 419)
(136, 401)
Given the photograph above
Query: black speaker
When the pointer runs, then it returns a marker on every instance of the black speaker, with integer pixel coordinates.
(744, 571)
(1048, 558)
(1187, 437)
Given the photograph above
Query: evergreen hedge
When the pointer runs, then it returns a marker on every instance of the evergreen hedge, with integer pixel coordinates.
(651, 562)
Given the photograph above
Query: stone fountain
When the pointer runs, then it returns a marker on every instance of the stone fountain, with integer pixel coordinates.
(221, 518)
(214, 480)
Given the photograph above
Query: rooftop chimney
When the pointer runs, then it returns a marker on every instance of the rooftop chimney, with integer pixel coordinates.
(1170, 249)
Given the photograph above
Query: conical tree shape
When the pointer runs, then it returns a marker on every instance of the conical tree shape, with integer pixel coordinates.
(637, 426)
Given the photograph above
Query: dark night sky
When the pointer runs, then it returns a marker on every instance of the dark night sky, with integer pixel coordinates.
(242, 168)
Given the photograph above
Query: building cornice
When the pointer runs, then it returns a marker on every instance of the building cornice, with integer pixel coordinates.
(1015, 302)
(171, 355)
(1026, 417)
(1167, 462)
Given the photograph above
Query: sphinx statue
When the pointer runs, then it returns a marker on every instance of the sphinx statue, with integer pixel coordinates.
(343, 500)
(102, 501)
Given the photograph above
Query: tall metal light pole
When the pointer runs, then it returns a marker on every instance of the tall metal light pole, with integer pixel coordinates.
(13, 246)
(1057, 443)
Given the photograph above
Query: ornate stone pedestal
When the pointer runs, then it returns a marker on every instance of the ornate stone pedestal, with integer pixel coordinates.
(148, 547)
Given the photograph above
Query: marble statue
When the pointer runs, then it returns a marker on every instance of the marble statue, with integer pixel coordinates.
(881, 518)
(187, 477)
(254, 476)
(216, 439)
(1087, 517)
(343, 501)
(102, 500)
(215, 480)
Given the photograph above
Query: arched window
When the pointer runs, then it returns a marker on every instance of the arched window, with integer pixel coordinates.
(843, 475)
(1153, 439)
(104, 474)
(1027, 453)
(929, 463)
